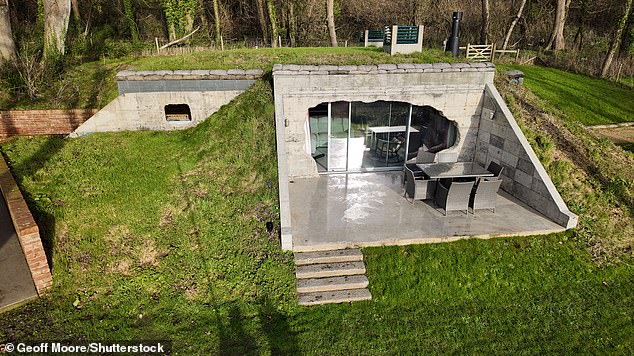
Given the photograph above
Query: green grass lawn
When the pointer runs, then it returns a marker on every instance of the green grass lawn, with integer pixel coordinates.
(93, 85)
(161, 235)
(587, 100)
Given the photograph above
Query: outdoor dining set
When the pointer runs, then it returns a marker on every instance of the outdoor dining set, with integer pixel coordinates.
(452, 185)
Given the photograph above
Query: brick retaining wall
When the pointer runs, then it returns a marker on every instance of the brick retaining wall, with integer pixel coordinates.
(42, 122)
(26, 229)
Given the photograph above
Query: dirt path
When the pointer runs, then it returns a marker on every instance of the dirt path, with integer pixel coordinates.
(617, 134)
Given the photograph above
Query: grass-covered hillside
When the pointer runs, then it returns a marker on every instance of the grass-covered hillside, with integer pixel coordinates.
(588, 100)
(162, 235)
(93, 85)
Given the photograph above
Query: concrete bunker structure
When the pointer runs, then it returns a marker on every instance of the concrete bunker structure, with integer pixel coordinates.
(463, 92)
(168, 100)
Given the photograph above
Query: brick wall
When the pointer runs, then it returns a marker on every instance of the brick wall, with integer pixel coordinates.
(42, 122)
(26, 229)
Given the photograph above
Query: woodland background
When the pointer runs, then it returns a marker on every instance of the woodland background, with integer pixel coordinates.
(584, 34)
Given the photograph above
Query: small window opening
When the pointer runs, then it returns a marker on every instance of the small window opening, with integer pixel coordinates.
(178, 112)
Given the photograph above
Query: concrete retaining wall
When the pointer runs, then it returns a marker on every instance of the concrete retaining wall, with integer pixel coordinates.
(26, 229)
(455, 89)
(143, 96)
(501, 140)
(42, 122)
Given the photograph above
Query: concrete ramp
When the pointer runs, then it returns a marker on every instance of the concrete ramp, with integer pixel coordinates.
(16, 283)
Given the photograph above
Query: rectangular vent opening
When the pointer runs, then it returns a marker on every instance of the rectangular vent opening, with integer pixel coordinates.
(178, 112)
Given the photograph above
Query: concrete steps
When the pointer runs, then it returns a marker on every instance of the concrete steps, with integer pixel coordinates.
(340, 296)
(331, 277)
(330, 284)
(321, 270)
(309, 258)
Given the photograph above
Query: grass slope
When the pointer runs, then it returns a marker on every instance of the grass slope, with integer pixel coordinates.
(161, 235)
(587, 100)
(93, 85)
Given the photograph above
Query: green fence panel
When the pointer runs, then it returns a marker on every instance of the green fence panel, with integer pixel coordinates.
(375, 35)
(407, 35)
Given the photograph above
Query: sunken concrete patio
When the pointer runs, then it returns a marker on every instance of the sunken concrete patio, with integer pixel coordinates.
(339, 211)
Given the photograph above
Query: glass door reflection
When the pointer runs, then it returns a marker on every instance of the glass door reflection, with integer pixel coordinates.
(338, 138)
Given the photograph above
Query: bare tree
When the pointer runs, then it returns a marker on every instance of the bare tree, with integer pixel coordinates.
(330, 10)
(507, 38)
(56, 16)
(616, 40)
(217, 23)
(76, 14)
(484, 30)
(273, 18)
(7, 46)
(262, 20)
(292, 23)
(557, 40)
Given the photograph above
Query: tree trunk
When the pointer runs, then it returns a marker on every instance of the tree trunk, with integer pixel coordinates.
(7, 46)
(292, 23)
(330, 10)
(484, 30)
(76, 13)
(557, 40)
(56, 16)
(128, 10)
(616, 40)
(507, 38)
(271, 7)
(217, 23)
(262, 18)
(627, 45)
(577, 42)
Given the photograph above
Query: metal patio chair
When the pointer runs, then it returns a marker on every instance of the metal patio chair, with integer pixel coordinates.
(484, 196)
(496, 169)
(418, 188)
(454, 197)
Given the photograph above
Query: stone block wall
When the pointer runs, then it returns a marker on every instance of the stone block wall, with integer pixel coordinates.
(143, 96)
(42, 122)
(501, 140)
(455, 89)
(26, 229)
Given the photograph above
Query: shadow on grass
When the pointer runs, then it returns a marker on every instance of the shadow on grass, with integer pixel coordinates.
(37, 205)
(629, 146)
(236, 340)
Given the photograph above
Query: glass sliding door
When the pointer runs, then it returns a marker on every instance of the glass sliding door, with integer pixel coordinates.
(376, 117)
(397, 135)
(339, 125)
(318, 122)
(362, 136)
(359, 144)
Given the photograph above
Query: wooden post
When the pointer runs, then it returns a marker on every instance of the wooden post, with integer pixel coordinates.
(158, 51)
(517, 55)
(279, 41)
(222, 43)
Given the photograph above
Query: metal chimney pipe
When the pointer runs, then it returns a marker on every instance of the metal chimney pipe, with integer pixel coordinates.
(453, 44)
